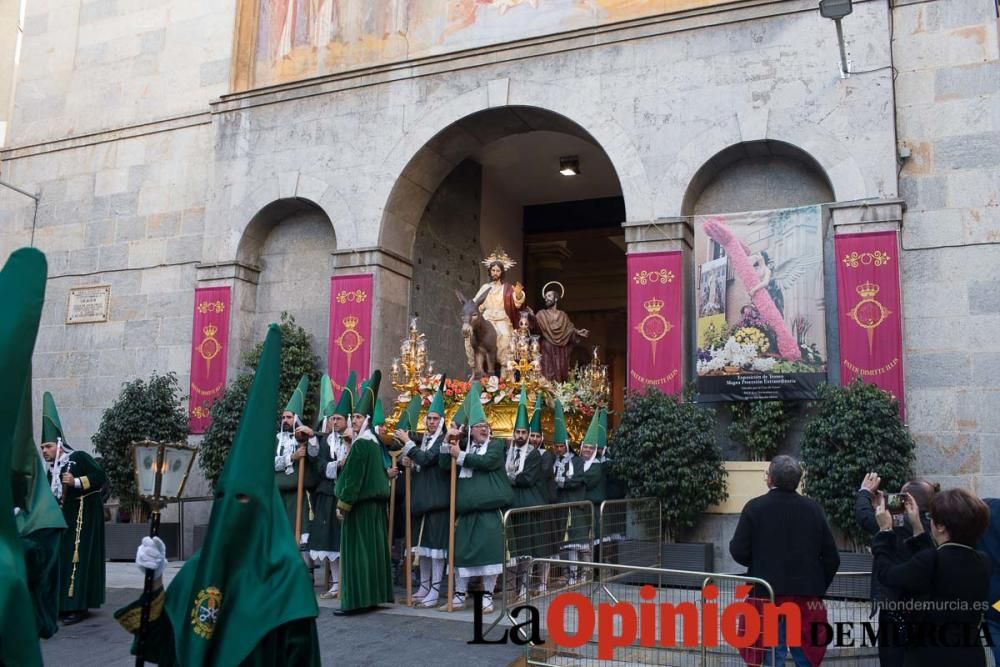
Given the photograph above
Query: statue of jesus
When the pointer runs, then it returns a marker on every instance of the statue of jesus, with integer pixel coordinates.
(558, 334)
(500, 303)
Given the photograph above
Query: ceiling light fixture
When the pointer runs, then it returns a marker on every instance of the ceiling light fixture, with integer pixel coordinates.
(569, 165)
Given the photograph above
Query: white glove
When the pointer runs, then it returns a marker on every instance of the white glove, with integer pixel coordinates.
(331, 470)
(560, 481)
(152, 555)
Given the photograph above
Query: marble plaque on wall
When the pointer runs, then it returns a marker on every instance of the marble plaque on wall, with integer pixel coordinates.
(88, 304)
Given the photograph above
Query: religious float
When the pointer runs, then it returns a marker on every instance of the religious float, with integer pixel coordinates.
(585, 390)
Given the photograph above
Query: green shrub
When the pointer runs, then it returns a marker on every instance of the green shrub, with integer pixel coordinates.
(145, 409)
(666, 448)
(759, 426)
(297, 357)
(855, 431)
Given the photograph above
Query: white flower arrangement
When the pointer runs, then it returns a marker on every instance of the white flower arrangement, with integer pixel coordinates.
(740, 355)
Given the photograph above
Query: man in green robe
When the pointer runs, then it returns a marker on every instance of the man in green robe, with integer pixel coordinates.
(551, 534)
(362, 490)
(592, 480)
(296, 441)
(244, 597)
(76, 480)
(574, 528)
(524, 470)
(22, 290)
(324, 533)
(431, 497)
(39, 521)
(483, 491)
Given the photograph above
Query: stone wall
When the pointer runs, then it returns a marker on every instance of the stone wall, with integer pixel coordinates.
(948, 106)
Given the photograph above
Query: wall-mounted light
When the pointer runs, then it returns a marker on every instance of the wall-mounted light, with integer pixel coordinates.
(569, 165)
(836, 10)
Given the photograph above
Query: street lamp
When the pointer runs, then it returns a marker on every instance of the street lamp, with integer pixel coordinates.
(161, 469)
(836, 10)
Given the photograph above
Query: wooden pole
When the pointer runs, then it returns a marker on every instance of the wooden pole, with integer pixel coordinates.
(392, 501)
(409, 541)
(298, 501)
(451, 533)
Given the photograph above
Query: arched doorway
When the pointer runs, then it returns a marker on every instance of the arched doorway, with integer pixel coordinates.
(290, 241)
(493, 179)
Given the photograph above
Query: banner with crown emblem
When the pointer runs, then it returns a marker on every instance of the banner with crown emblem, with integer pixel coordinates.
(761, 320)
(869, 310)
(209, 347)
(654, 321)
(350, 327)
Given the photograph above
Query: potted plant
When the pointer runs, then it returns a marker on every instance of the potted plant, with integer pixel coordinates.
(665, 447)
(144, 410)
(856, 430)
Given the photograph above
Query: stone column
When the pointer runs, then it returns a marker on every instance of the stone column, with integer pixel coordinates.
(242, 280)
(392, 274)
(665, 235)
(870, 215)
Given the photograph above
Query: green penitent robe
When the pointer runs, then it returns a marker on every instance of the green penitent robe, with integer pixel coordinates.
(480, 500)
(294, 643)
(529, 535)
(430, 498)
(362, 490)
(82, 581)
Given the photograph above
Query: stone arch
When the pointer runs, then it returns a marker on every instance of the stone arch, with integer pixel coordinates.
(829, 155)
(448, 133)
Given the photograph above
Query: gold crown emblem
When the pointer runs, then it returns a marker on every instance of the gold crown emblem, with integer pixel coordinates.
(867, 290)
(211, 330)
(350, 321)
(654, 305)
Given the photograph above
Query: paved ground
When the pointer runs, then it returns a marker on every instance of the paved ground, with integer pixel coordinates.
(389, 637)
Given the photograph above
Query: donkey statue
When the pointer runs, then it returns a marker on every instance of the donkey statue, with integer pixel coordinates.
(480, 337)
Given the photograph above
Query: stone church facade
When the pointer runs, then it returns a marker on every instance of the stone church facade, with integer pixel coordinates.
(161, 167)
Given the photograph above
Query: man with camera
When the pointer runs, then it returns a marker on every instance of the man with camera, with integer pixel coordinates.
(903, 544)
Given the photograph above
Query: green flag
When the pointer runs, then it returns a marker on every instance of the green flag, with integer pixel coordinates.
(559, 435)
(297, 403)
(22, 291)
(521, 420)
(248, 577)
(536, 416)
(410, 419)
(51, 426)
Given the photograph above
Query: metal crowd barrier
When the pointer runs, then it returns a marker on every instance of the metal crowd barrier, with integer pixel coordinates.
(663, 643)
(630, 532)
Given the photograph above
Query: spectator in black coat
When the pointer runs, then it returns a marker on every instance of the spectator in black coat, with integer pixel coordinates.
(891, 621)
(784, 539)
(990, 544)
(952, 581)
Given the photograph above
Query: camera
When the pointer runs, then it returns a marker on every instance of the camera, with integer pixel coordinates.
(896, 503)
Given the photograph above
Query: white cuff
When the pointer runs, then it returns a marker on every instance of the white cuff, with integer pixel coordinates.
(77, 483)
(312, 449)
(331, 470)
(408, 446)
(461, 458)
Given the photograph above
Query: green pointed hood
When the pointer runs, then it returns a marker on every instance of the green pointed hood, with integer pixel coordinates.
(249, 551)
(51, 426)
(437, 403)
(378, 416)
(593, 436)
(326, 402)
(22, 290)
(461, 416)
(410, 419)
(476, 414)
(348, 397)
(559, 435)
(535, 426)
(602, 439)
(39, 508)
(297, 403)
(521, 421)
(368, 395)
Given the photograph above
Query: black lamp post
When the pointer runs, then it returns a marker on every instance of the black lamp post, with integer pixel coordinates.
(161, 470)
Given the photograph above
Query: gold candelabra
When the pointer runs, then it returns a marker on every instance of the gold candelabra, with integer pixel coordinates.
(524, 364)
(597, 374)
(412, 367)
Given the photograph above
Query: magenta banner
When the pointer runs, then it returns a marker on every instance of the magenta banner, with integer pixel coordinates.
(350, 327)
(870, 314)
(209, 347)
(655, 299)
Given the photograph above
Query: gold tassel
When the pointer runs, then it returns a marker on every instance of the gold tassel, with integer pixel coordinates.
(76, 547)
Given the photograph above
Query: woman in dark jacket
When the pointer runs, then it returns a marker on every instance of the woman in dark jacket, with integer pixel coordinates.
(951, 583)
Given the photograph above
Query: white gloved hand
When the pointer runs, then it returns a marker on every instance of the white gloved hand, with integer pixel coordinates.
(152, 555)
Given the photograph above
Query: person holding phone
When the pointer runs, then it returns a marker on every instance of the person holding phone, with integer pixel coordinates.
(905, 542)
